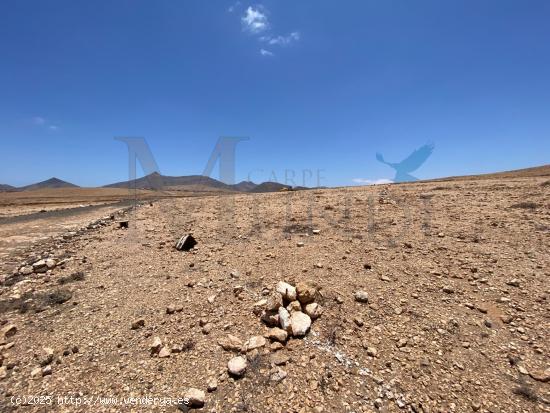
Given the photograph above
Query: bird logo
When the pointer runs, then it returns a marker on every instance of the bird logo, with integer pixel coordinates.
(409, 164)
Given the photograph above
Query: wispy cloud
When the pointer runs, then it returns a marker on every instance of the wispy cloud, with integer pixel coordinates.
(364, 181)
(38, 120)
(233, 7)
(44, 123)
(281, 40)
(255, 19)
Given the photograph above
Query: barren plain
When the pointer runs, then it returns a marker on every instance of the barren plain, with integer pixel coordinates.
(433, 297)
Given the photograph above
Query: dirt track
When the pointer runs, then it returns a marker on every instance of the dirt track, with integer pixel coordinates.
(457, 318)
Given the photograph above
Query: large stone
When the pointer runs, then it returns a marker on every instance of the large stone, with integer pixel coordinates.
(8, 330)
(306, 292)
(164, 352)
(237, 366)
(254, 342)
(284, 319)
(294, 306)
(273, 302)
(287, 291)
(361, 296)
(231, 343)
(51, 263)
(271, 318)
(40, 266)
(277, 374)
(194, 397)
(26, 270)
(156, 345)
(138, 324)
(300, 323)
(313, 310)
(277, 334)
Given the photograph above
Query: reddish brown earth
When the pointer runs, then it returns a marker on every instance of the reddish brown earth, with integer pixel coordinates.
(457, 318)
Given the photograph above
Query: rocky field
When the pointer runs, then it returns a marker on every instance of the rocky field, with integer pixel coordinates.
(425, 297)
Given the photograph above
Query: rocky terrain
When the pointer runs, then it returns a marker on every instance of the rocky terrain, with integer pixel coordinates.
(422, 297)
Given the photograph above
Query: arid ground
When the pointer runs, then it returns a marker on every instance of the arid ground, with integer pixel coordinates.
(453, 314)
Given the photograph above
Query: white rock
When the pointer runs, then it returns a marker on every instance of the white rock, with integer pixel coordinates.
(284, 319)
(277, 334)
(300, 323)
(164, 352)
(211, 385)
(361, 296)
(194, 397)
(26, 270)
(156, 345)
(254, 342)
(237, 366)
(286, 290)
(313, 310)
(278, 374)
(231, 343)
(294, 306)
(51, 263)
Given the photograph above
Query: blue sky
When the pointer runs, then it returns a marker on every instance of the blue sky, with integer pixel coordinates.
(315, 85)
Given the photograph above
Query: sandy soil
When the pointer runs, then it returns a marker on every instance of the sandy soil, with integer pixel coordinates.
(457, 318)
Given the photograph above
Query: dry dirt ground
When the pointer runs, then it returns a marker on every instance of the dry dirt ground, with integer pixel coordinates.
(457, 318)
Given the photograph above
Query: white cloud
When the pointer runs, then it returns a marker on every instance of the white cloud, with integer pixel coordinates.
(364, 181)
(264, 52)
(281, 40)
(44, 123)
(255, 20)
(232, 8)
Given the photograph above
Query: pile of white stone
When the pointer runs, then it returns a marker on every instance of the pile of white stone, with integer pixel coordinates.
(290, 310)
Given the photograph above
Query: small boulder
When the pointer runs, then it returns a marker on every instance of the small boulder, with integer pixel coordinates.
(156, 345)
(164, 352)
(287, 291)
(194, 398)
(313, 310)
(271, 318)
(299, 323)
(26, 270)
(237, 366)
(40, 266)
(9, 330)
(294, 306)
(361, 296)
(211, 385)
(254, 342)
(277, 375)
(138, 324)
(277, 334)
(273, 302)
(231, 343)
(284, 319)
(306, 292)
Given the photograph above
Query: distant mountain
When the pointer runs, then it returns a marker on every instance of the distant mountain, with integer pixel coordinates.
(271, 187)
(195, 183)
(50, 183)
(245, 186)
(157, 181)
(7, 188)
